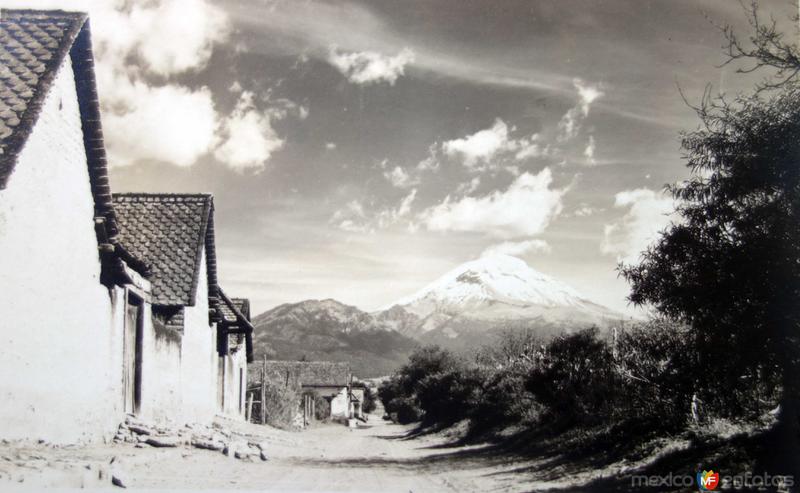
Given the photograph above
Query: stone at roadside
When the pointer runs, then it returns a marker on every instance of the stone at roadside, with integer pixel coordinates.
(232, 447)
(239, 450)
(140, 430)
(119, 477)
(163, 441)
(260, 445)
(208, 444)
(243, 455)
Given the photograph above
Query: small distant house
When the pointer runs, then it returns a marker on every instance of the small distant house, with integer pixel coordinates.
(328, 380)
(175, 232)
(75, 300)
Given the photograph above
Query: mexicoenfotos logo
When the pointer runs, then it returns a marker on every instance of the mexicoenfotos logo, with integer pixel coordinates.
(707, 480)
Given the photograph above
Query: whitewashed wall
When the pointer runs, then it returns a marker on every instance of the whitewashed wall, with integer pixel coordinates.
(234, 402)
(60, 335)
(199, 358)
(340, 405)
(161, 375)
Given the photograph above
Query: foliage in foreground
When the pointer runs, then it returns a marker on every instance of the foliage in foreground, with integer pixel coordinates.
(643, 374)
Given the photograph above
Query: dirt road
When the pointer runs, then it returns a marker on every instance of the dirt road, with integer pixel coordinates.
(374, 458)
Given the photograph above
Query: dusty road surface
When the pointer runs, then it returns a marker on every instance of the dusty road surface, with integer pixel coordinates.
(332, 458)
(376, 457)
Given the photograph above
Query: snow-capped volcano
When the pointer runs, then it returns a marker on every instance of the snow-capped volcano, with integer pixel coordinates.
(492, 278)
(501, 288)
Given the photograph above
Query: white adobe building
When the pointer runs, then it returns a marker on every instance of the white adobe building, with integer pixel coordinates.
(95, 326)
(67, 281)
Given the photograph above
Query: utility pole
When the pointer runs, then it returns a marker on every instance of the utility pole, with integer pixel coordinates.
(264, 391)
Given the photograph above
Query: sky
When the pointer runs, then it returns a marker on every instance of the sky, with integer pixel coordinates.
(359, 150)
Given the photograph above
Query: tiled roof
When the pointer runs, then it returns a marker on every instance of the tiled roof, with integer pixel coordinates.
(33, 46)
(241, 304)
(169, 232)
(308, 373)
(171, 316)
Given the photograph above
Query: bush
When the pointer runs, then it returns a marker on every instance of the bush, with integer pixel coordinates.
(404, 410)
(655, 362)
(642, 376)
(322, 408)
(389, 390)
(504, 401)
(434, 386)
(575, 380)
(450, 395)
(281, 406)
(369, 400)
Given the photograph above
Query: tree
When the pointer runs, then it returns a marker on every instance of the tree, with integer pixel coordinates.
(765, 48)
(730, 267)
(369, 400)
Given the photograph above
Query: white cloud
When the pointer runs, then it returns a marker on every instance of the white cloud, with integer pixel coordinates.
(235, 87)
(143, 120)
(487, 148)
(588, 153)
(369, 67)
(354, 218)
(302, 112)
(470, 186)
(250, 139)
(141, 35)
(400, 177)
(351, 209)
(648, 214)
(588, 95)
(479, 148)
(169, 123)
(517, 248)
(430, 163)
(524, 209)
(531, 148)
(330, 145)
(571, 122)
(390, 216)
(352, 227)
(351, 218)
(584, 210)
(405, 204)
(174, 36)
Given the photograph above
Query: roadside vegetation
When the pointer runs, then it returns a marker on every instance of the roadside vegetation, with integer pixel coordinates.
(280, 406)
(720, 354)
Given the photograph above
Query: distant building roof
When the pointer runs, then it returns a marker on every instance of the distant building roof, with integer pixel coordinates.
(241, 304)
(308, 373)
(33, 46)
(169, 231)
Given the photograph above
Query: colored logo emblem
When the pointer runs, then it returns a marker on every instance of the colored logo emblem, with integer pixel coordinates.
(708, 480)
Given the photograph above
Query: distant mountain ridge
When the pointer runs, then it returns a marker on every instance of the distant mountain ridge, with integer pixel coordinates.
(463, 309)
(332, 331)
